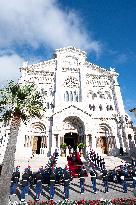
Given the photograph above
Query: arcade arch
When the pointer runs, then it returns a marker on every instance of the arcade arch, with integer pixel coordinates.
(38, 137)
(105, 141)
(74, 131)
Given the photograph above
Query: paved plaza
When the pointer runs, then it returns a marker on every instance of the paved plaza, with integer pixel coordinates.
(115, 191)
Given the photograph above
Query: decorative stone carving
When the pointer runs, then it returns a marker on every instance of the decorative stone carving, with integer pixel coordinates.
(71, 82)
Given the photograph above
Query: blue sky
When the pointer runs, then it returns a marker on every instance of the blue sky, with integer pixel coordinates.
(30, 30)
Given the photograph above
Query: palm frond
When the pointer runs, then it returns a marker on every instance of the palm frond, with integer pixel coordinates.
(7, 115)
(23, 100)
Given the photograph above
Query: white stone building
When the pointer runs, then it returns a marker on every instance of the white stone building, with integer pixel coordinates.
(83, 103)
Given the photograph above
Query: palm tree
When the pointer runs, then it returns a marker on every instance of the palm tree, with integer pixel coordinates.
(17, 102)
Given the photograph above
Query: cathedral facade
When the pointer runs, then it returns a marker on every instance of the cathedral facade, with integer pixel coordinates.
(82, 103)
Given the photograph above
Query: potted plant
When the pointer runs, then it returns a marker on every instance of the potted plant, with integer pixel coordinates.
(63, 149)
(81, 146)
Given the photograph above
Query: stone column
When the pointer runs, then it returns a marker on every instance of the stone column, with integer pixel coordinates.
(53, 143)
(67, 152)
(87, 140)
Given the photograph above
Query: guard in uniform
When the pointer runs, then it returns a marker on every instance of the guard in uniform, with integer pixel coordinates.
(124, 182)
(93, 179)
(38, 188)
(30, 180)
(67, 178)
(52, 184)
(24, 185)
(105, 180)
(82, 178)
(14, 181)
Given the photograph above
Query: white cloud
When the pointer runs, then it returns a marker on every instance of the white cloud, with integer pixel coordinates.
(9, 68)
(121, 58)
(36, 22)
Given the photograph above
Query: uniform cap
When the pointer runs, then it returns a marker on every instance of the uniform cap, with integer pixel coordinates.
(17, 168)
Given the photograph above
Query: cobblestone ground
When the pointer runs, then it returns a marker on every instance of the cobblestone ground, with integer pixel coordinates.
(115, 191)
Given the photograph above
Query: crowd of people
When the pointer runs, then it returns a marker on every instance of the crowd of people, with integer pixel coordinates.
(97, 161)
(51, 175)
(48, 175)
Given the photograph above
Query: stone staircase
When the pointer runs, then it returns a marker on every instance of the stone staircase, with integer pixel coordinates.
(61, 161)
(111, 161)
(40, 160)
(34, 162)
(37, 161)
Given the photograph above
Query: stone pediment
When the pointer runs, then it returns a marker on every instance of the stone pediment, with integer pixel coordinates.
(72, 107)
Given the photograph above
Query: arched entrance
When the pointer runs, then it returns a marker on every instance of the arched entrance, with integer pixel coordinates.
(71, 139)
(104, 139)
(39, 140)
(73, 128)
(36, 145)
(102, 143)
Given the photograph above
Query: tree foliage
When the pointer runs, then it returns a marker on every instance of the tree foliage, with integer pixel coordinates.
(19, 100)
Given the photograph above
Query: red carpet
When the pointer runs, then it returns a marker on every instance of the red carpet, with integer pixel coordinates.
(75, 163)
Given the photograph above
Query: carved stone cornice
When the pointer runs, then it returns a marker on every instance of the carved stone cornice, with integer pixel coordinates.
(40, 66)
(70, 49)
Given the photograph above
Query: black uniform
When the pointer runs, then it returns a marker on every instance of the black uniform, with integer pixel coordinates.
(105, 180)
(93, 179)
(24, 185)
(66, 183)
(38, 188)
(52, 184)
(82, 179)
(30, 180)
(14, 182)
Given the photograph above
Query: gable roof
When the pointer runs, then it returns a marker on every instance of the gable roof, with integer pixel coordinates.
(77, 108)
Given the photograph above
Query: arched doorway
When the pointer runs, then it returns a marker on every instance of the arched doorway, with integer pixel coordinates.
(103, 141)
(36, 144)
(71, 139)
(73, 128)
(38, 137)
